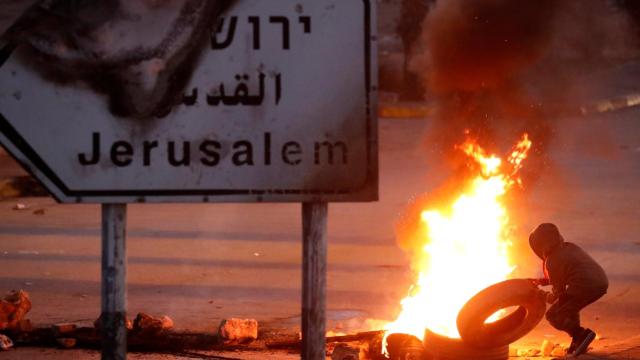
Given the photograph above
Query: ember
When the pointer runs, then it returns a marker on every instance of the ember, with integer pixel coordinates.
(469, 235)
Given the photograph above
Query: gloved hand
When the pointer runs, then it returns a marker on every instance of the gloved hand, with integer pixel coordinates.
(551, 297)
(548, 296)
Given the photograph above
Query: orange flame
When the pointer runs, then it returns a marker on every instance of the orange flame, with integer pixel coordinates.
(466, 246)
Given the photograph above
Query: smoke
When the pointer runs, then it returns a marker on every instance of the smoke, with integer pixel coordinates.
(498, 68)
(477, 45)
(477, 53)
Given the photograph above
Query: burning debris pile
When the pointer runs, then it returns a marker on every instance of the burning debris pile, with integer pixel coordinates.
(465, 249)
(472, 233)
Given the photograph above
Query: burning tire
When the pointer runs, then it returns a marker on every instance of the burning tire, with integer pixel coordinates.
(438, 347)
(518, 292)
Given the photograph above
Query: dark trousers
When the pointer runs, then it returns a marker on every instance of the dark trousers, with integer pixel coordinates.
(564, 314)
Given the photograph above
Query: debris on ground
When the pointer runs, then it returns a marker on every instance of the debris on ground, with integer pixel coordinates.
(20, 206)
(344, 351)
(241, 330)
(13, 308)
(147, 324)
(5, 342)
(532, 352)
(547, 348)
(405, 346)
(167, 323)
(513, 352)
(63, 329)
(38, 211)
(66, 343)
(97, 324)
(559, 351)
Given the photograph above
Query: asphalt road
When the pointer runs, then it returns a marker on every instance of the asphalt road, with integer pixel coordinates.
(202, 263)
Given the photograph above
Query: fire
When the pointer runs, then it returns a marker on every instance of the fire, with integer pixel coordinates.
(466, 246)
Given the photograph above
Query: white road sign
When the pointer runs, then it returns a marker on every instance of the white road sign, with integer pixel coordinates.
(281, 107)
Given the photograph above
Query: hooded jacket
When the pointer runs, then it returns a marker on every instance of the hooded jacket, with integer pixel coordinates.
(569, 268)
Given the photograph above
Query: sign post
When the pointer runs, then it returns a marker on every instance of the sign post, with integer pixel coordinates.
(314, 279)
(281, 107)
(113, 290)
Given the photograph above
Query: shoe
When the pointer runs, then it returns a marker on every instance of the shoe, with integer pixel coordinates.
(574, 345)
(576, 340)
(587, 337)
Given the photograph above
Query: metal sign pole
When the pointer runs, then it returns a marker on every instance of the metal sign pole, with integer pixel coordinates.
(114, 296)
(314, 279)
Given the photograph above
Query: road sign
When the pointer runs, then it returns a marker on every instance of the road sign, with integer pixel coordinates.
(281, 107)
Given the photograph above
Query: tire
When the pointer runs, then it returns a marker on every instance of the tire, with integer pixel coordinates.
(438, 347)
(517, 292)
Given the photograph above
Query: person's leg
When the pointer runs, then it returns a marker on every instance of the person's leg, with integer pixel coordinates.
(584, 339)
(564, 315)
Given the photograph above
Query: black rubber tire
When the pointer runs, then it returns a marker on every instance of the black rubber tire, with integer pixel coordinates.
(517, 292)
(438, 347)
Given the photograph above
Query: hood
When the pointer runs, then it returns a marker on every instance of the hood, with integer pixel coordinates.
(544, 239)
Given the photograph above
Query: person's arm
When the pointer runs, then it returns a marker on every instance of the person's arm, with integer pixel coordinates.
(557, 276)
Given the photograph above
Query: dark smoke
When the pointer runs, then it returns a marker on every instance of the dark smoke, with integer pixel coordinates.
(478, 52)
(498, 68)
(480, 45)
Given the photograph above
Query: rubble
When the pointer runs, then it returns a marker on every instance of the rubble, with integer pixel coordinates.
(528, 352)
(547, 348)
(238, 329)
(559, 351)
(98, 322)
(13, 308)
(345, 351)
(66, 343)
(20, 206)
(59, 330)
(147, 324)
(5, 342)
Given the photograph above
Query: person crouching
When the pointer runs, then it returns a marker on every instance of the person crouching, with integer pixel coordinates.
(577, 280)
